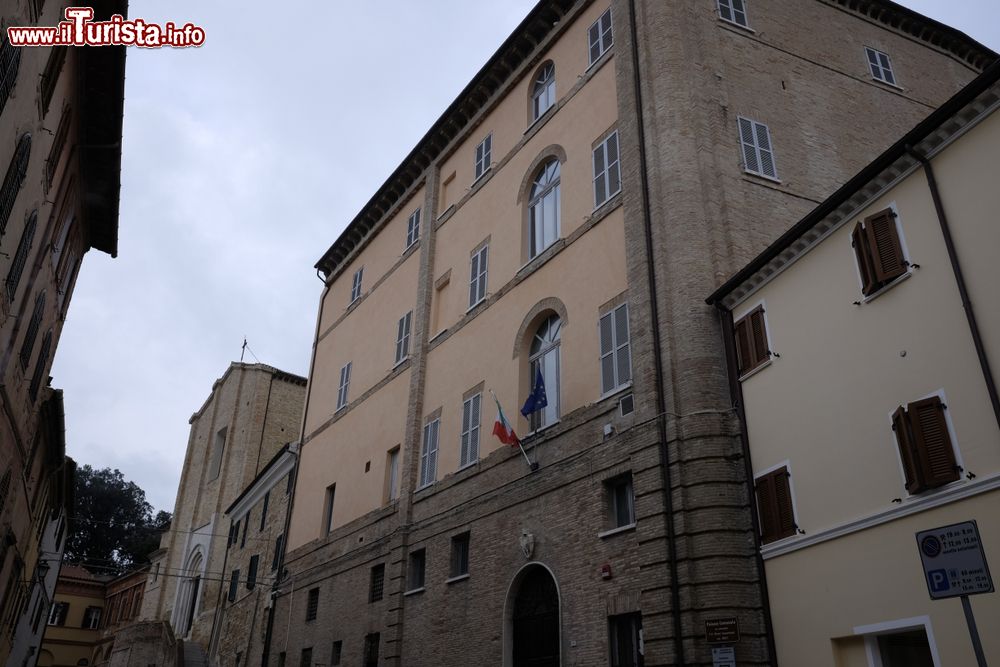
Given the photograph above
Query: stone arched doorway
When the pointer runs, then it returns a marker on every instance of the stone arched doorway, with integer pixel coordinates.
(532, 619)
(188, 593)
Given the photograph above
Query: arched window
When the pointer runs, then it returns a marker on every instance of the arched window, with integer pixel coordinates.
(543, 94)
(544, 359)
(543, 209)
(13, 179)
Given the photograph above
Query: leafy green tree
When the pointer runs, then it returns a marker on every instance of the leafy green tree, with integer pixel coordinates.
(113, 529)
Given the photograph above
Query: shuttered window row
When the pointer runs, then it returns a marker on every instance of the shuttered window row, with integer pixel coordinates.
(13, 179)
(616, 354)
(21, 257)
(879, 251)
(40, 365)
(10, 62)
(774, 505)
(925, 446)
(751, 341)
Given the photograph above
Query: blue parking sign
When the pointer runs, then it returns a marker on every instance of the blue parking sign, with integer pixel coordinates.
(938, 581)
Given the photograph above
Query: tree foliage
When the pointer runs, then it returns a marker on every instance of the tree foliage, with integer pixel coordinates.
(113, 528)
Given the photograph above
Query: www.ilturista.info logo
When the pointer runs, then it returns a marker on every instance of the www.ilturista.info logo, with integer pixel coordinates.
(79, 29)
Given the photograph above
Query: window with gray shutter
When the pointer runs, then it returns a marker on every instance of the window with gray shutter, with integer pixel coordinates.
(14, 178)
(28, 344)
(477, 275)
(470, 430)
(356, 284)
(484, 155)
(412, 229)
(428, 453)
(616, 361)
(607, 171)
(758, 155)
(403, 337)
(21, 257)
(10, 62)
(344, 386)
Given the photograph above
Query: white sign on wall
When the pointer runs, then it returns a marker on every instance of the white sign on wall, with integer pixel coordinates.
(954, 561)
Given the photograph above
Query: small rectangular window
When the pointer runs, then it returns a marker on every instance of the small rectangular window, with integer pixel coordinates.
(477, 277)
(307, 657)
(734, 11)
(331, 494)
(356, 284)
(774, 505)
(607, 171)
(392, 475)
(345, 383)
(371, 649)
(484, 155)
(880, 66)
(600, 37)
(428, 453)
(403, 337)
(925, 446)
(377, 583)
(471, 410)
(218, 447)
(460, 555)
(252, 572)
(752, 349)
(616, 355)
(338, 648)
(758, 155)
(413, 228)
(278, 544)
(878, 250)
(92, 618)
(415, 570)
(312, 604)
(234, 583)
(263, 511)
(621, 503)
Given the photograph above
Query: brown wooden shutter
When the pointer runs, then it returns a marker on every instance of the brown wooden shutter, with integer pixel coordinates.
(758, 336)
(783, 504)
(883, 243)
(935, 453)
(765, 509)
(751, 341)
(860, 242)
(774, 503)
(744, 350)
(907, 453)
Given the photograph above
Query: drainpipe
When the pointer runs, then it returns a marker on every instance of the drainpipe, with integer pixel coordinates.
(977, 340)
(295, 449)
(661, 408)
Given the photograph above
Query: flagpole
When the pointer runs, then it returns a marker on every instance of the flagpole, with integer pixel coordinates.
(533, 466)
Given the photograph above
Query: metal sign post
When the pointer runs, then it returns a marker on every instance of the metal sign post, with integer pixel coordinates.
(955, 566)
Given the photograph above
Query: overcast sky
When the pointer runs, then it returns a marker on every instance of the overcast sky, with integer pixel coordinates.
(242, 162)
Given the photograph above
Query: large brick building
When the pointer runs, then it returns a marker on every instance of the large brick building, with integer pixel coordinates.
(60, 160)
(609, 166)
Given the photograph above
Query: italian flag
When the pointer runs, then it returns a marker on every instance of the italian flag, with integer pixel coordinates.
(502, 428)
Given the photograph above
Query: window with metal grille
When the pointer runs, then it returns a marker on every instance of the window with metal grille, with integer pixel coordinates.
(345, 383)
(356, 284)
(543, 94)
(312, 604)
(51, 75)
(371, 649)
(10, 62)
(484, 155)
(600, 36)
(28, 344)
(774, 505)
(413, 228)
(925, 445)
(758, 155)
(734, 11)
(607, 172)
(403, 337)
(471, 409)
(40, 365)
(21, 257)
(252, 572)
(460, 555)
(616, 355)
(880, 66)
(377, 583)
(621, 503)
(477, 277)
(415, 570)
(428, 453)
(14, 178)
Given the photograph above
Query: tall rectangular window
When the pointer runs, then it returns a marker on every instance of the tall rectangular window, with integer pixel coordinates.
(307, 657)
(278, 544)
(774, 505)
(331, 493)
(371, 649)
(758, 155)
(471, 409)
(263, 511)
(734, 11)
(356, 284)
(345, 383)
(252, 572)
(377, 583)
(607, 171)
(218, 447)
(477, 277)
(625, 634)
(403, 337)
(621, 501)
(413, 228)
(34, 324)
(484, 155)
(92, 618)
(415, 570)
(459, 555)
(312, 604)
(428, 453)
(878, 249)
(880, 66)
(338, 648)
(392, 475)
(234, 583)
(616, 355)
(600, 37)
(21, 257)
(40, 364)
(58, 143)
(925, 445)
(752, 349)
(50, 75)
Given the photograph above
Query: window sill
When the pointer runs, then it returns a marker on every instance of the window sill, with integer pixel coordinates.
(400, 363)
(470, 464)
(885, 288)
(424, 487)
(607, 200)
(613, 392)
(476, 304)
(757, 174)
(407, 248)
(601, 59)
(437, 335)
(545, 115)
(542, 430)
(447, 214)
(894, 86)
(617, 531)
(482, 178)
(457, 578)
(731, 23)
(757, 369)
(415, 591)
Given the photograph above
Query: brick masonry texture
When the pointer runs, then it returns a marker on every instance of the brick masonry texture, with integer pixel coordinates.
(706, 219)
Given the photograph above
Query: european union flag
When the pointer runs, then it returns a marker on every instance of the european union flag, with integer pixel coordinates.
(536, 399)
